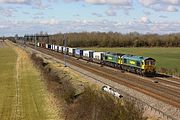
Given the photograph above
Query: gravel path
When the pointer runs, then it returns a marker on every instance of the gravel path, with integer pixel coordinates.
(165, 108)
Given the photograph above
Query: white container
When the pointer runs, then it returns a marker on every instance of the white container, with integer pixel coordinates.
(55, 47)
(47, 46)
(86, 53)
(51, 47)
(71, 50)
(64, 49)
(98, 55)
(38, 44)
(60, 49)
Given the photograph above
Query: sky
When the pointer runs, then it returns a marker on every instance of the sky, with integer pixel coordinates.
(54, 16)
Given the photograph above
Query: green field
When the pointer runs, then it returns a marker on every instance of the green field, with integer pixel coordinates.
(165, 57)
(22, 94)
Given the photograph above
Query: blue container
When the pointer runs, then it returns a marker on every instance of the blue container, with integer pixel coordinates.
(78, 53)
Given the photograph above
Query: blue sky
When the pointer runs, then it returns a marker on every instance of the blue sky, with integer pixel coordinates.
(54, 16)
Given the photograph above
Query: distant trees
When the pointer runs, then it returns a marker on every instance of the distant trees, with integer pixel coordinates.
(114, 39)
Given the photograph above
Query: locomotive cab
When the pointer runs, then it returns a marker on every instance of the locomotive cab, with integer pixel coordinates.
(149, 66)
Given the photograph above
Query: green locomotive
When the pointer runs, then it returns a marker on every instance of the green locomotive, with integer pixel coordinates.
(131, 63)
(112, 59)
(139, 64)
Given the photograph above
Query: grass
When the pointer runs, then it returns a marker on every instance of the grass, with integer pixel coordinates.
(22, 93)
(7, 82)
(165, 57)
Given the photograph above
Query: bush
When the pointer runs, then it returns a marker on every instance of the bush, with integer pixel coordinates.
(59, 81)
(96, 105)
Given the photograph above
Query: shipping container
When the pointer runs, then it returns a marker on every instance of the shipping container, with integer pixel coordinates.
(56, 48)
(98, 56)
(88, 54)
(60, 49)
(72, 51)
(65, 50)
(51, 47)
(46, 46)
(79, 53)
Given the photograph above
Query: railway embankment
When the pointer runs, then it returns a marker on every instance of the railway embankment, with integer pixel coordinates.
(81, 99)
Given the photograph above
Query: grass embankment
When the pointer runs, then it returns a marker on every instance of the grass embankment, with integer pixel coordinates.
(83, 102)
(8, 83)
(167, 59)
(23, 94)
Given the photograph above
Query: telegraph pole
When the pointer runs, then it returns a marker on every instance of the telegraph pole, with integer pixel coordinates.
(65, 43)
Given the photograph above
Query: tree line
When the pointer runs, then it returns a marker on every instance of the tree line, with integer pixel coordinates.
(115, 39)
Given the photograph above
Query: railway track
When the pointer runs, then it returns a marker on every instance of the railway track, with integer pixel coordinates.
(162, 92)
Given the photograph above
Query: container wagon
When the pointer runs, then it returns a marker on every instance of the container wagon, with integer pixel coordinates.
(72, 51)
(79, 53)
(98, 57)
(88, 55)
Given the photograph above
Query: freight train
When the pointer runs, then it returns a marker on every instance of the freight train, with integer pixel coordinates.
(144, 66)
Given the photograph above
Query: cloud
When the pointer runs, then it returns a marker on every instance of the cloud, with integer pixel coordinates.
(26, 13)
(144, 19)
(111, 12)
(161, 5)
(54, 26)
(51, 22)
(147, 12)
(114, 5)
(102, 2)
(7, 12)
(162, 16)
(111, 2)
(148, 2)
(172, 2)
(97, 14)
(171, 8)
(38, 4)
(16, 1)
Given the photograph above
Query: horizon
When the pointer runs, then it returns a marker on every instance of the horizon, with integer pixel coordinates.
(63, 16)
